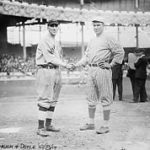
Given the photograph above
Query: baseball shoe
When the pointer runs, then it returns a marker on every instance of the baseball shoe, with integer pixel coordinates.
(103, 130)
(42, 132)
(52, 129)
(87, 127)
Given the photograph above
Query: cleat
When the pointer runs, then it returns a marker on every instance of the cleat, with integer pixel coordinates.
(52, 129)
(103, 130)
(42, 132)
(87, 127)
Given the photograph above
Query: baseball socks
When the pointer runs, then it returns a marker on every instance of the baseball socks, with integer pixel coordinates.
(41, 120)
(91, 110)
(49, 117)
(106, 117)
(90, 125)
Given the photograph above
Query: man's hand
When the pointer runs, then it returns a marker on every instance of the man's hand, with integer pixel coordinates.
(70, 67)
(104, 65)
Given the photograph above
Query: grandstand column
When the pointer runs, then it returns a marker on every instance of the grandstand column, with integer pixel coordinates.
(137, 35)
(118, 35)
(3, 38)
(82, 29)
(24, 43)
(82, 38)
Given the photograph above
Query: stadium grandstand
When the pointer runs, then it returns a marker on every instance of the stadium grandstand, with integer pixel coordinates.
(23, 23)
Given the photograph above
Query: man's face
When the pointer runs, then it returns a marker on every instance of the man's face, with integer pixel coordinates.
(53, 29)
(98, 27)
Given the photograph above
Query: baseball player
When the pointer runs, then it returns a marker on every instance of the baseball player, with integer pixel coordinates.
(48, 60)
(99, 82)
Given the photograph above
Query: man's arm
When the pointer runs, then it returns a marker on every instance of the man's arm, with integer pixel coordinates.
(84, 59)
(117, 50)
(81, 62)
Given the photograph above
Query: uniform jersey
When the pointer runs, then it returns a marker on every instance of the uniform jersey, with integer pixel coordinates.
(101, 49)
(48, 51)
(48, 80)
(99, 83)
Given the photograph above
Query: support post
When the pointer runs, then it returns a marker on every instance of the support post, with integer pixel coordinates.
(137, 35)
(118, 35)
(24, 43)
(82, 29)
(82, 38)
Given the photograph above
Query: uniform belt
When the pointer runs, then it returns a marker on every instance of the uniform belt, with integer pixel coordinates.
(49, 66)
(93, 65)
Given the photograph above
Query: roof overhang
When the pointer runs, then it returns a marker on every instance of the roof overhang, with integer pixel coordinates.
(72, 15)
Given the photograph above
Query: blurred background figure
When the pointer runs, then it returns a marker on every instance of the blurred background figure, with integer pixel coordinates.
(117, 78)
(141, 63)
(131, 70)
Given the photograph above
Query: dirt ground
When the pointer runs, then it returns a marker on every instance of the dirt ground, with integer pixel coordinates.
(130, 122)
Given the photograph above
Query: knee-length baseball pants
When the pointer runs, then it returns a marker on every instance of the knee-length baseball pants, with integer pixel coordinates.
(48, 86)
(99, 86)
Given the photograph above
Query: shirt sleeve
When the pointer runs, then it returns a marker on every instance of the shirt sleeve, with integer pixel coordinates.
(50, 55)
(117, 51)
(84, 60)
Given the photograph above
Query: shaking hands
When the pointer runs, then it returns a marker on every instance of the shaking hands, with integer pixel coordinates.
(71, 67)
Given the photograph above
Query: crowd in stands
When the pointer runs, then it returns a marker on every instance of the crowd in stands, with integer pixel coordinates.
(13, 63)
(10, 63)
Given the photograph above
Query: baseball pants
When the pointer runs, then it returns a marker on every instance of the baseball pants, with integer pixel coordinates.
(99, 86)
(48, 87)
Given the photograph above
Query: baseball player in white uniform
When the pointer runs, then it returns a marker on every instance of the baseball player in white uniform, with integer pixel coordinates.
(99, 82)
(48, 60)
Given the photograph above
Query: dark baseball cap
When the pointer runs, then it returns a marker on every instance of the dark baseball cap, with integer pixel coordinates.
(53, 21)
(139, 50)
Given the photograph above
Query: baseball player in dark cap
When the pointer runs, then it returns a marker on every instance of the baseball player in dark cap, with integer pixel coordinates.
(48, 60)
(99, 81)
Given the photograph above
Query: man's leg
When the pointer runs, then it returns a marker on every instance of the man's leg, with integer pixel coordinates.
(137, 90)
(120, 88)
(114, 88)
(91, 110)
(106, 115)
(42, 101)
(106, 98)
(49, 117)
(132, 79)
(91, 98)
(106, 120)
(56, 91)
(41, 120)
(143, 94)
(90, 125)
(50, 111)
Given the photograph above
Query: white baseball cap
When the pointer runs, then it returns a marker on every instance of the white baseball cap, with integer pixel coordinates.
(98, 19)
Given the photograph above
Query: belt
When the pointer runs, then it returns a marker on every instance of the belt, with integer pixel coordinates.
(93, 65)
(48, 66)
(97, 65)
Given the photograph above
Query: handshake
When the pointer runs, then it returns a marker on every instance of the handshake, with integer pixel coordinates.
(71, 66)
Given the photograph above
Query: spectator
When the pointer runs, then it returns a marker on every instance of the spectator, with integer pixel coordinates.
(117, 78)
(131, 70)
(141, 63)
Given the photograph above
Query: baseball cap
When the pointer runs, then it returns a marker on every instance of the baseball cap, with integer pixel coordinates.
(138, 50)
(98, 19)
(52, 22)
